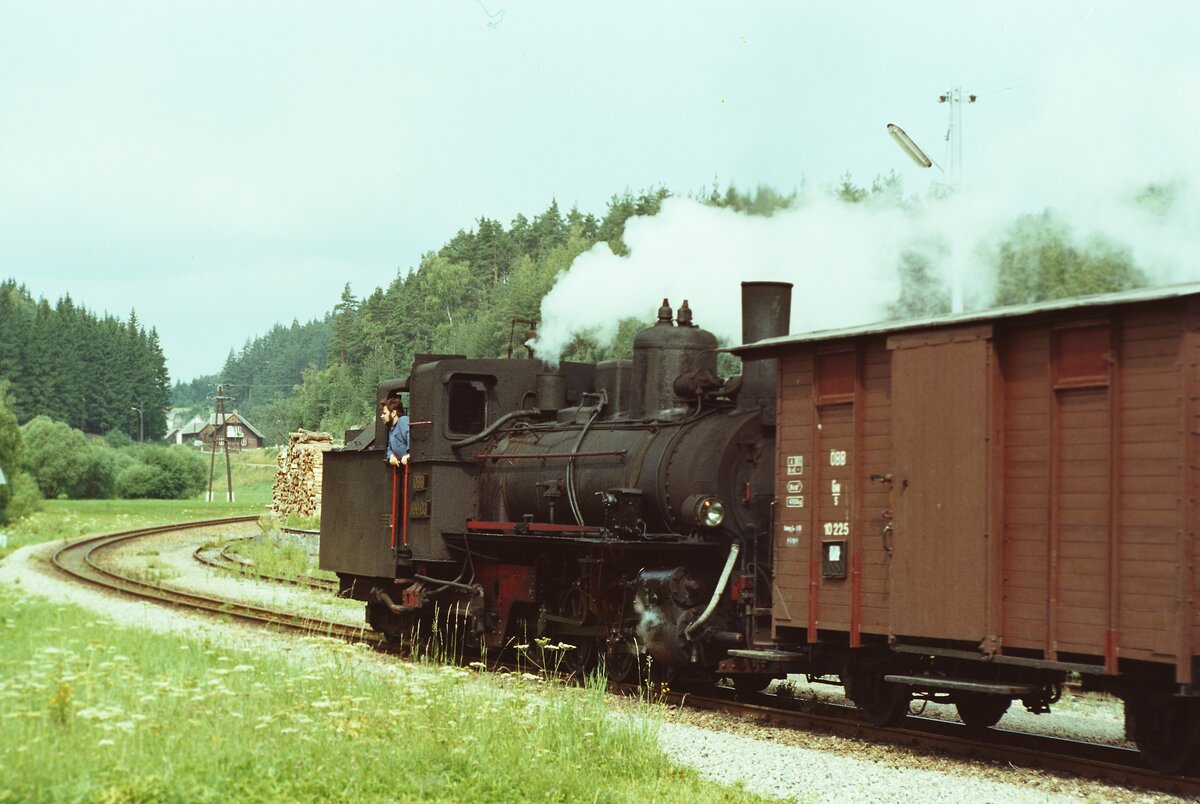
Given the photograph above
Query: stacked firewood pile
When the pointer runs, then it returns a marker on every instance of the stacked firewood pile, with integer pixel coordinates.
(297, 488)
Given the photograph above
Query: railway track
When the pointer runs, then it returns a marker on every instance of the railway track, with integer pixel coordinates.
(1116, 765)
(1111, 764)
(222, 558)
(81, 561)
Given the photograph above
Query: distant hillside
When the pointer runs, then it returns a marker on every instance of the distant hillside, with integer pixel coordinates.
(260, 378)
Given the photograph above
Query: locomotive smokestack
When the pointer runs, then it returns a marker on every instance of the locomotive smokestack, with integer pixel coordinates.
(766, 313)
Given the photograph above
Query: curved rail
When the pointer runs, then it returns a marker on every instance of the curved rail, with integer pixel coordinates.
(79, 560)
(222, 559)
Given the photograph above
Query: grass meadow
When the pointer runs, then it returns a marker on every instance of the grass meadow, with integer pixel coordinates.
(90, 711)
(94, 712)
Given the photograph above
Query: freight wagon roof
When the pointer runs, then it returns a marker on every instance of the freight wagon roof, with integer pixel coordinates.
(991, 314)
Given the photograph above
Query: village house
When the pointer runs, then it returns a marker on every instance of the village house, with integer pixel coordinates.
(239, 433)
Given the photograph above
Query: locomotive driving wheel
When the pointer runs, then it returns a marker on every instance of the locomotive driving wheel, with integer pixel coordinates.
(1167, 731)
(582, 658)
(625, 664)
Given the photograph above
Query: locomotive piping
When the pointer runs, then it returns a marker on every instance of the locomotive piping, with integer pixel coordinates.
(473, 588)
(572, 497)
(383, 598)
(494, 426)
(712, 604)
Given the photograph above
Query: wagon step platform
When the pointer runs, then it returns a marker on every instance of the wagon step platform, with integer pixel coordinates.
(768, 655)
(964, 685)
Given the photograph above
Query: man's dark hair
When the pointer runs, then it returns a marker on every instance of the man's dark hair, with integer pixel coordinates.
(394, 403)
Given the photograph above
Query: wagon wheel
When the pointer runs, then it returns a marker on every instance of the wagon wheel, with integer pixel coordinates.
(1167, 732)
(582, 658)
(882, 703)
(979, 711)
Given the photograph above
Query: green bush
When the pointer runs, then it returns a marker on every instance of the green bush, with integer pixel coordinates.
(10, 434)
(64, 462)
(118, 438)
(20, 497)
(165, 473)
(140, 481)
(98, 475)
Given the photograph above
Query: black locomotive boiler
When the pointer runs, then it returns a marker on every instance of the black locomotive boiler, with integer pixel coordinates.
(623, 507)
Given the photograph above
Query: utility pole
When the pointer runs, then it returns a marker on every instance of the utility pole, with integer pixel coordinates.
(220, 426)
(954, 97)
(954, 134)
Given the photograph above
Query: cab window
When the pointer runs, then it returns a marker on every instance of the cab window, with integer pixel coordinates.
(468, 406)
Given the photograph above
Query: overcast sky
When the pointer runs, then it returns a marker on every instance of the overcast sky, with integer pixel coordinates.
(221, 167)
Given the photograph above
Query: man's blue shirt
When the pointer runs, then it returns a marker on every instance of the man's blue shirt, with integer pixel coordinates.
(398, 439)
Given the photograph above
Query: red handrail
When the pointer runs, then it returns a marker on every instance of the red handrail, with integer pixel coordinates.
(395, 482)
(404, 530)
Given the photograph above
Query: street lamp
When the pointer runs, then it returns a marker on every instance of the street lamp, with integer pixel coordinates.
(138, 408)
(908, 146)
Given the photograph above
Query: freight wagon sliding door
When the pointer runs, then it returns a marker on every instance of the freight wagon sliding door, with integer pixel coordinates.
(1081, 574)
(941, 412)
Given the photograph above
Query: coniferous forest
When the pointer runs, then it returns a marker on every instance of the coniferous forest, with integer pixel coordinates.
(65, 362)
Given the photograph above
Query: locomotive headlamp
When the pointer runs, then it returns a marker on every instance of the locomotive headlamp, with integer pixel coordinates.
(703, 510)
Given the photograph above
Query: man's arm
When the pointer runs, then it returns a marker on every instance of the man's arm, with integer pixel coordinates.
(403, 439)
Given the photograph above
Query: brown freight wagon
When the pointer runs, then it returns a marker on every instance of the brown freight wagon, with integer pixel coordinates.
(973, 507)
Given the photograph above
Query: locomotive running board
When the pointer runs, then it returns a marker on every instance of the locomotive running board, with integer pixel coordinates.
(962, 685)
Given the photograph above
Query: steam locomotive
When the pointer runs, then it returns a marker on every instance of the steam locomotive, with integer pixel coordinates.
(970, 509)
(622, 508)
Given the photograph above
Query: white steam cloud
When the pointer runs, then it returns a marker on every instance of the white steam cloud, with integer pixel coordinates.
(1097, 130)
(699, 253)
